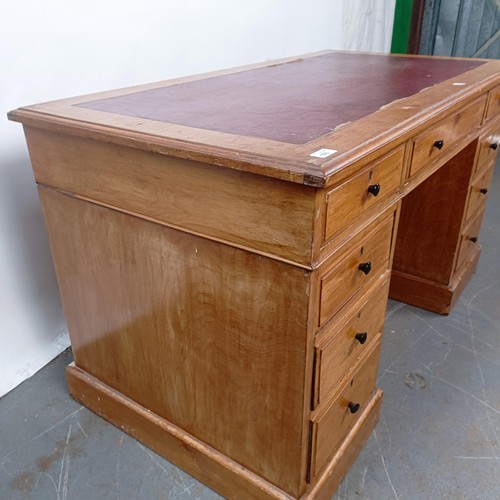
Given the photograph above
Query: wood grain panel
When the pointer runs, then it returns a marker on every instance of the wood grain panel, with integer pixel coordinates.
(430, 295)
(431, 218)
(209, 337)
(266, 215)
(201, 461)
(449, 130)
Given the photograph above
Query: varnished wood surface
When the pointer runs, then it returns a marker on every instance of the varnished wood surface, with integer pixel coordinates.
(204, 463)
(469, 239)
(335, 420)
(347, 202)
(338, 466)
(198, 293)
(201, 461)
(431, 218)
(362, 140)
(449, 131)
(493, 103)
(266, 215)
(341, 282)
(489, 143)
(211, 338)
(430, 295)
(336, 346)
(479, 190)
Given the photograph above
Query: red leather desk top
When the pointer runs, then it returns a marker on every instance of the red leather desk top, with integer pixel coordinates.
(293, 102)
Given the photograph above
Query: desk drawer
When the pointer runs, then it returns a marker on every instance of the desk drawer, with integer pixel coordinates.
(493, 103)
(339, 346)
(345, 203)
(438, 139)
(469, 239)
(488, 147)
(331, 427)
(366, 260)
(479, 191)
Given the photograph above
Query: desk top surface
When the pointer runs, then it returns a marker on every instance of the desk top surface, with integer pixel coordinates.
(293, 102)
(271, 118)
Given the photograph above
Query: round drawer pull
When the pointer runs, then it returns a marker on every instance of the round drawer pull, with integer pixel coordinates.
(439, 144)
(494, 146)
(361, 337)
(353, 407)
(374, 189)
(473, 239)
(365, 267)
(483, 190)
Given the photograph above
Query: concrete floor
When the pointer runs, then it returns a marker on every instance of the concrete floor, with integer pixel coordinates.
(438, 437)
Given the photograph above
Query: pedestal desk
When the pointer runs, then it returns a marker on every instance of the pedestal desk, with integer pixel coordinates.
(225, 245)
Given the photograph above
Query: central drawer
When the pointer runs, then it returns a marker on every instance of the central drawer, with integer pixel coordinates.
(366, 260)
(437, 140)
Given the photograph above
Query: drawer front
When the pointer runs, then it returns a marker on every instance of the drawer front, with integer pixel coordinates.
(488, 147)
(347, 202)
(331, 427)
(479, 191)
(338, 348)
(367, 260)
(493, 103)
(434, 142)
(469, 240)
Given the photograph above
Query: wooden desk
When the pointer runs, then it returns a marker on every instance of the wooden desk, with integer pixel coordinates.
(224, 245)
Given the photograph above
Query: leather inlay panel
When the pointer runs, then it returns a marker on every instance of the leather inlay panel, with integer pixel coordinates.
(294, 102)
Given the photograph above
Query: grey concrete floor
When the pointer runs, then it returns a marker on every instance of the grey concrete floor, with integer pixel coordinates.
(438, 437)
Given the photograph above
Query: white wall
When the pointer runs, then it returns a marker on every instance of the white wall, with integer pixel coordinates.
(367, 25)
(54, 49)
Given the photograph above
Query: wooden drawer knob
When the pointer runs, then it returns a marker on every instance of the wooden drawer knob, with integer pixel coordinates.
(494, 146)
(361, 337)
(353, 407)
(439, 144)
(374, 189)
(365, 267)
(473, 239)
(483, 190)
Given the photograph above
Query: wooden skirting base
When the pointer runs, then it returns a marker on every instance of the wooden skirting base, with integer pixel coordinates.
(203, 462)
(426, 294)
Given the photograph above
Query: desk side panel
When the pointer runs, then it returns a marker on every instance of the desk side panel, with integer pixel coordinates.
(209, 337)
(270, 216)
